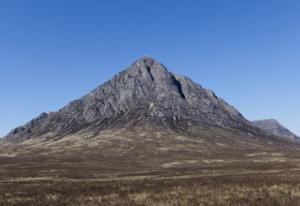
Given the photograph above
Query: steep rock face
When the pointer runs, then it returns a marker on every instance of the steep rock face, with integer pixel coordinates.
(145, 92)
(273, 127)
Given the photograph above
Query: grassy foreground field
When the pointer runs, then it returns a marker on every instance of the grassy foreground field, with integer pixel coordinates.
(248, 183)
(148, 169)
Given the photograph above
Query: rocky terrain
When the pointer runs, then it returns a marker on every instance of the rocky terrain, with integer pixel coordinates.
(147, 137)
(146, 92)
(273, 127)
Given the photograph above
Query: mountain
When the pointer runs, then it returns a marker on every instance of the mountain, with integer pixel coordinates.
(146, 114)
(273, 127)
(145, 93)
(146, 137)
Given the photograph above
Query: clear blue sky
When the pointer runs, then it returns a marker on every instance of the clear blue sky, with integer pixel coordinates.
(54, 51)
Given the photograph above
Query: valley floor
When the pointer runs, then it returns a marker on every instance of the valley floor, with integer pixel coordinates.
(151, 169)
(260, 183)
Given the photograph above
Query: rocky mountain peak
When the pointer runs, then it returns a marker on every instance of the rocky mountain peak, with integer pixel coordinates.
(149, 73)
(147, 68)
(145, 92)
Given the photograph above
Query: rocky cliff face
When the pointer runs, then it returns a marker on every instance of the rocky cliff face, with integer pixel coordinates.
(273, 127)
(146, 92)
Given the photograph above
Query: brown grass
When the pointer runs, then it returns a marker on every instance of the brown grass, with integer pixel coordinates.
(149, 169)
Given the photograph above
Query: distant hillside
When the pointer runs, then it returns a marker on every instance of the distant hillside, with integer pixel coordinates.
(273, 127)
